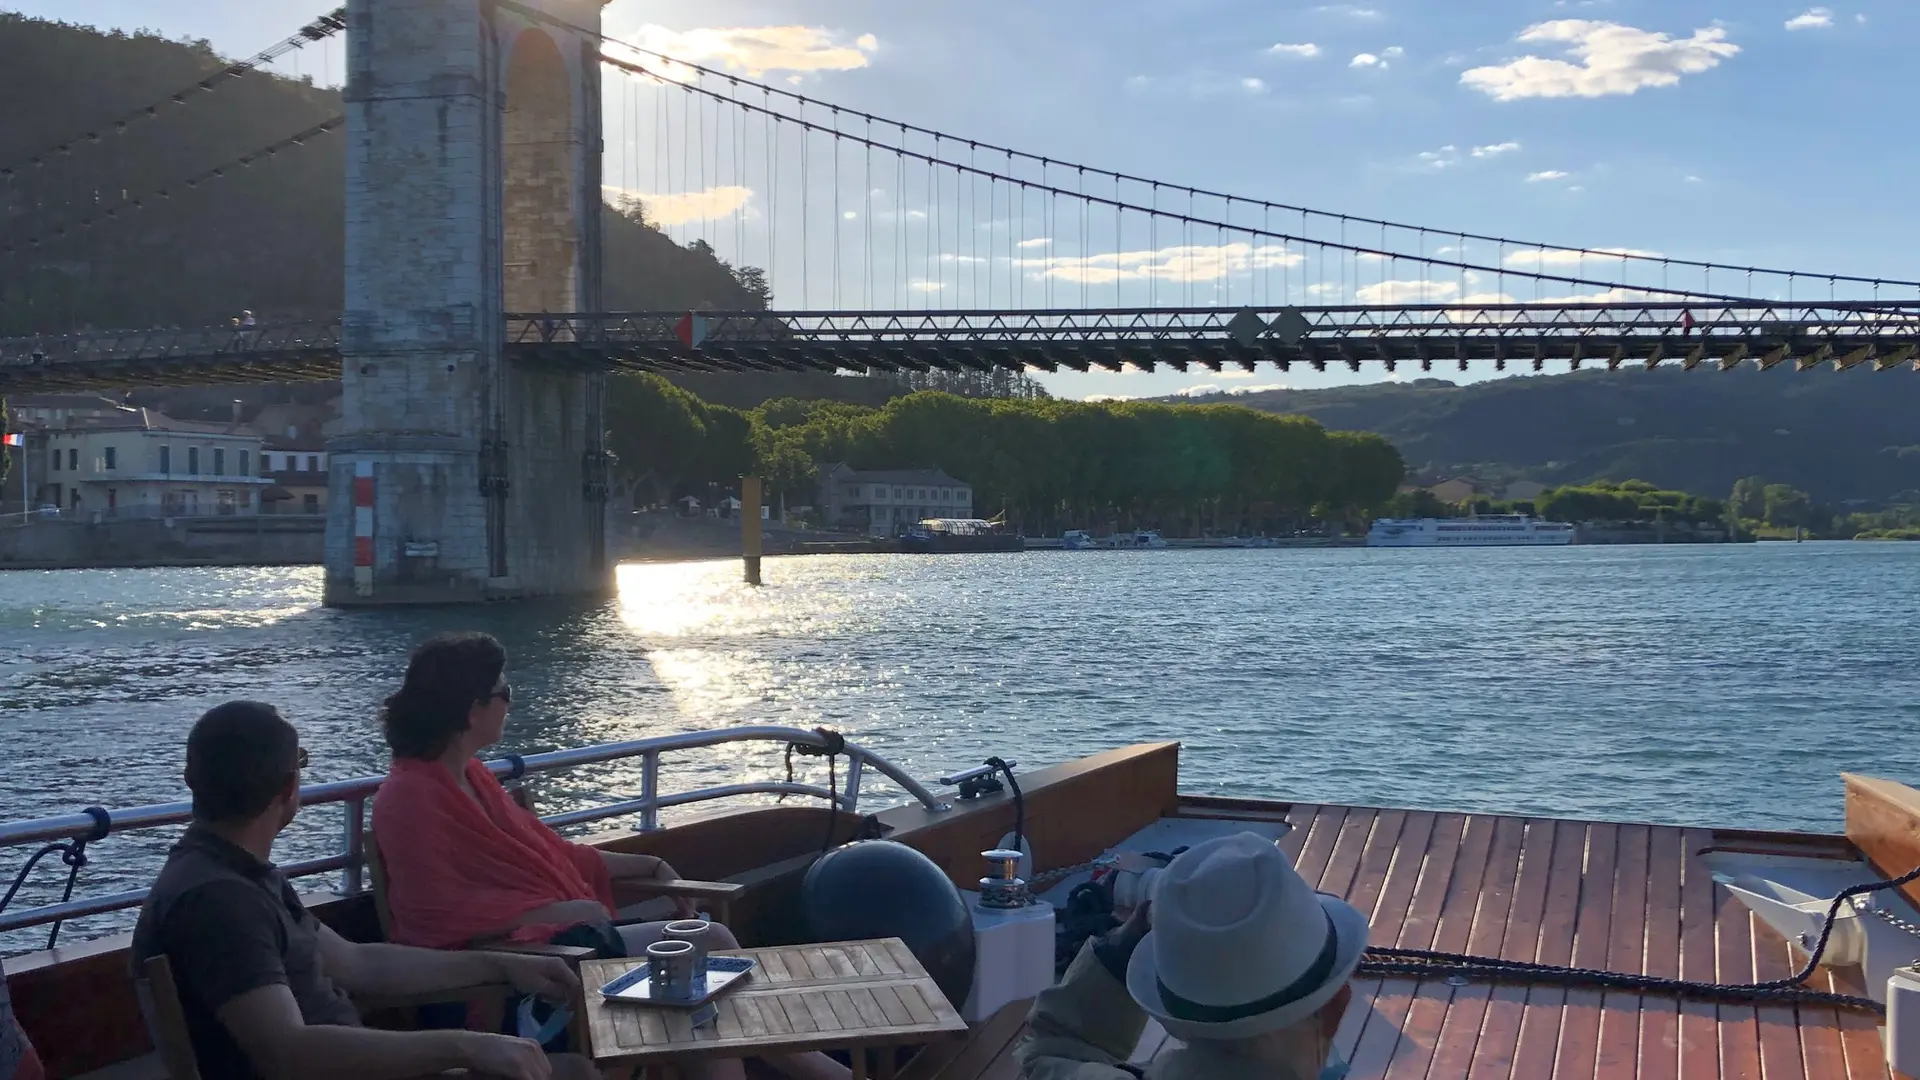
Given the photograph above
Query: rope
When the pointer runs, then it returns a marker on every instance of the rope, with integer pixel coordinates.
(836, 744)
(74, 854)
(1089, 912)
(1421, 963)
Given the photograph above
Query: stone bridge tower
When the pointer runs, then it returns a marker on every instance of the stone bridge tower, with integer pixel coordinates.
(473, 190)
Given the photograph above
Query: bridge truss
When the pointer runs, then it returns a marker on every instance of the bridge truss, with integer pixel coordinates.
(1723, 338)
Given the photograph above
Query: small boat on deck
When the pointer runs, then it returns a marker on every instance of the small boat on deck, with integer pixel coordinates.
(1705, 905)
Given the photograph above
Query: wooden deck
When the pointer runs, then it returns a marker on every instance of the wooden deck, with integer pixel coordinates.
(1629, 898)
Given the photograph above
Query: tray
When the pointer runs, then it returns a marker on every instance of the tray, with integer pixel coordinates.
(636, 986)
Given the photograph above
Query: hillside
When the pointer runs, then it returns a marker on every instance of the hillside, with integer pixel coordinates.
(267, 238)
(1840, 436)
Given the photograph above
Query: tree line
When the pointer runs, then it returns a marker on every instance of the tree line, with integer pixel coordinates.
(1048, 465)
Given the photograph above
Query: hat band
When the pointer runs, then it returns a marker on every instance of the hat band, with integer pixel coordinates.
(1310, 980)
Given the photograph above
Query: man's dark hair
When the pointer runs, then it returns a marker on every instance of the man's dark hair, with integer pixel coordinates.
(448, 675)
(239, 756)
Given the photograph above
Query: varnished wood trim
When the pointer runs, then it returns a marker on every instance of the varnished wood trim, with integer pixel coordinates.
(1883, 821)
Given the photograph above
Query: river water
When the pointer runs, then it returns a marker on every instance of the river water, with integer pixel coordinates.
(1713, 685)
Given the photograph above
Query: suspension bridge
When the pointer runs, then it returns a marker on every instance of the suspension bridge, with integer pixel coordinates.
(475, 344)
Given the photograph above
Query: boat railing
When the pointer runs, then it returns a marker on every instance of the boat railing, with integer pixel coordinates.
(70, 834)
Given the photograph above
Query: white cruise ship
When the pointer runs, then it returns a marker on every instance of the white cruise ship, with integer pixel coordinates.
(1491, 530)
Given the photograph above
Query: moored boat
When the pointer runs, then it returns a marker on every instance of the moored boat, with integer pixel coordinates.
(1483, 530)
(955, 535)
(1663, 903)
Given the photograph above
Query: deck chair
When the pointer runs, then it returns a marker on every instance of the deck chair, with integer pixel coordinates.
(717, 895)
(166, 1019)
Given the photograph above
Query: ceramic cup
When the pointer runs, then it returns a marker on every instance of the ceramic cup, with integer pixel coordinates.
(694, 933)
(672, 968)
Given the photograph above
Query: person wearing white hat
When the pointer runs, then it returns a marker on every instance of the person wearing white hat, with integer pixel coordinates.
(1244, 963)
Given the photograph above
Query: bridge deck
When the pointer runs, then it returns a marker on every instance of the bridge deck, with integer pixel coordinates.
(1628, 898)
(1879, 336)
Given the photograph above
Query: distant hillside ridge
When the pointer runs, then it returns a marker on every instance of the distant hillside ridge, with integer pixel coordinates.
(1844, 437)
(268, 238)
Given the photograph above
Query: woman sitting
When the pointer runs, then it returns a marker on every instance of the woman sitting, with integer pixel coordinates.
(465, 864)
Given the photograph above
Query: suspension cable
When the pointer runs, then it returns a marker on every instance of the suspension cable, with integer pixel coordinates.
(319, 29)
(218, 171)
(1576, 251)
(1187, 220)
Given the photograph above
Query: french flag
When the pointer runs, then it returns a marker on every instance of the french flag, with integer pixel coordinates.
(13, 438)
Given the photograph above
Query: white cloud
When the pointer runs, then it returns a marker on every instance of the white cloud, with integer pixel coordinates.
(1542, 257)
(1352, 11)
(1694, 180)
(681, 209)
(1393, 52)
(850, 216)
(1861, 19)
(753, 50)
(1496, 149)
(1407, 292)
(1442, 158)
(1203, 390)
(1183, 263)
(1304, 51)
(1199, 84)
(1365, 59)
(927, 286)
(1326, 288)
(1545, 174)
(1611, 59)
(1812, 19)
(1037, 242)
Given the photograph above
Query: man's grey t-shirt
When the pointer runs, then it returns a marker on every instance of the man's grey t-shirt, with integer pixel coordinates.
(229, 924)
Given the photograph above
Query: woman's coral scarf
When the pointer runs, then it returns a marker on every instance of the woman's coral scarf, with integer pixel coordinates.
(459, 871)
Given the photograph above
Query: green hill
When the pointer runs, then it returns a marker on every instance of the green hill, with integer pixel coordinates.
(267, 238)
(1843, 437)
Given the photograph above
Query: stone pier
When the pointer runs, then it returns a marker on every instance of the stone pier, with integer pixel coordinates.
(473, 189)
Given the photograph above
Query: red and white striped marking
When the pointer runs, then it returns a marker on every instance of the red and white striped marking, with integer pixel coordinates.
(363, 527)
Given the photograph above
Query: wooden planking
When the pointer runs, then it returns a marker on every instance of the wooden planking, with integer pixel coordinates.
(1633, 898)
(835, 996)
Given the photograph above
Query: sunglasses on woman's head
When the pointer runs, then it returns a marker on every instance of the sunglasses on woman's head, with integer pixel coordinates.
(300, 758)
(504, 693)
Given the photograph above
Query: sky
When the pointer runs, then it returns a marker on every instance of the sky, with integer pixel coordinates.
(1739, 131)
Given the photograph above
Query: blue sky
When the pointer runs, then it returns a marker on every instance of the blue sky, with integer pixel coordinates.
(1744, 132)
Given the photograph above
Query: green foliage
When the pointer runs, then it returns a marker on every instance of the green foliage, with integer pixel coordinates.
(1629, 500)
(269, 238)
(1838, 437)
(1049, 464)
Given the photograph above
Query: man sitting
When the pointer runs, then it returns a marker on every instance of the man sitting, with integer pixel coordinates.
(263, 983)
(1244, 963)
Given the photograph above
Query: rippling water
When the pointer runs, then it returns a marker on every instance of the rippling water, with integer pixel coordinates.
(1697, 685)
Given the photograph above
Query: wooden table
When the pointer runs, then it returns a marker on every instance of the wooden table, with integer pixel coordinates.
(849, 995)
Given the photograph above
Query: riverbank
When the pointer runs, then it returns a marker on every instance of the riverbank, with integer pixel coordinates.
(270, 540)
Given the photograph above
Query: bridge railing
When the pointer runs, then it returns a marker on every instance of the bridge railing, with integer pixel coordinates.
(165, 343)
(1569, 318)
(75, 831)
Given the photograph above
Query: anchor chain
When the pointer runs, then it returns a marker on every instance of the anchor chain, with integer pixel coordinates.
(73, 853)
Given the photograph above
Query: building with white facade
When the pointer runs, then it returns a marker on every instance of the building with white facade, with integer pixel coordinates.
(885, 502)
(297, 471)
(143, 464)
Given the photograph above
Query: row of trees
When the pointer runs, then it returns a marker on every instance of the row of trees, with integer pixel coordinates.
(1601, 500)
(1049, 465)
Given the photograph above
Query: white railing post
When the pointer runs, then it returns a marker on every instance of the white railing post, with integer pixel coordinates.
(856, 765)
(351, 881)
(650, 790)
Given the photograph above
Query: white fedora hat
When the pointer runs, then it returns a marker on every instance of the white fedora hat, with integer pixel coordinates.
(1241, 944)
